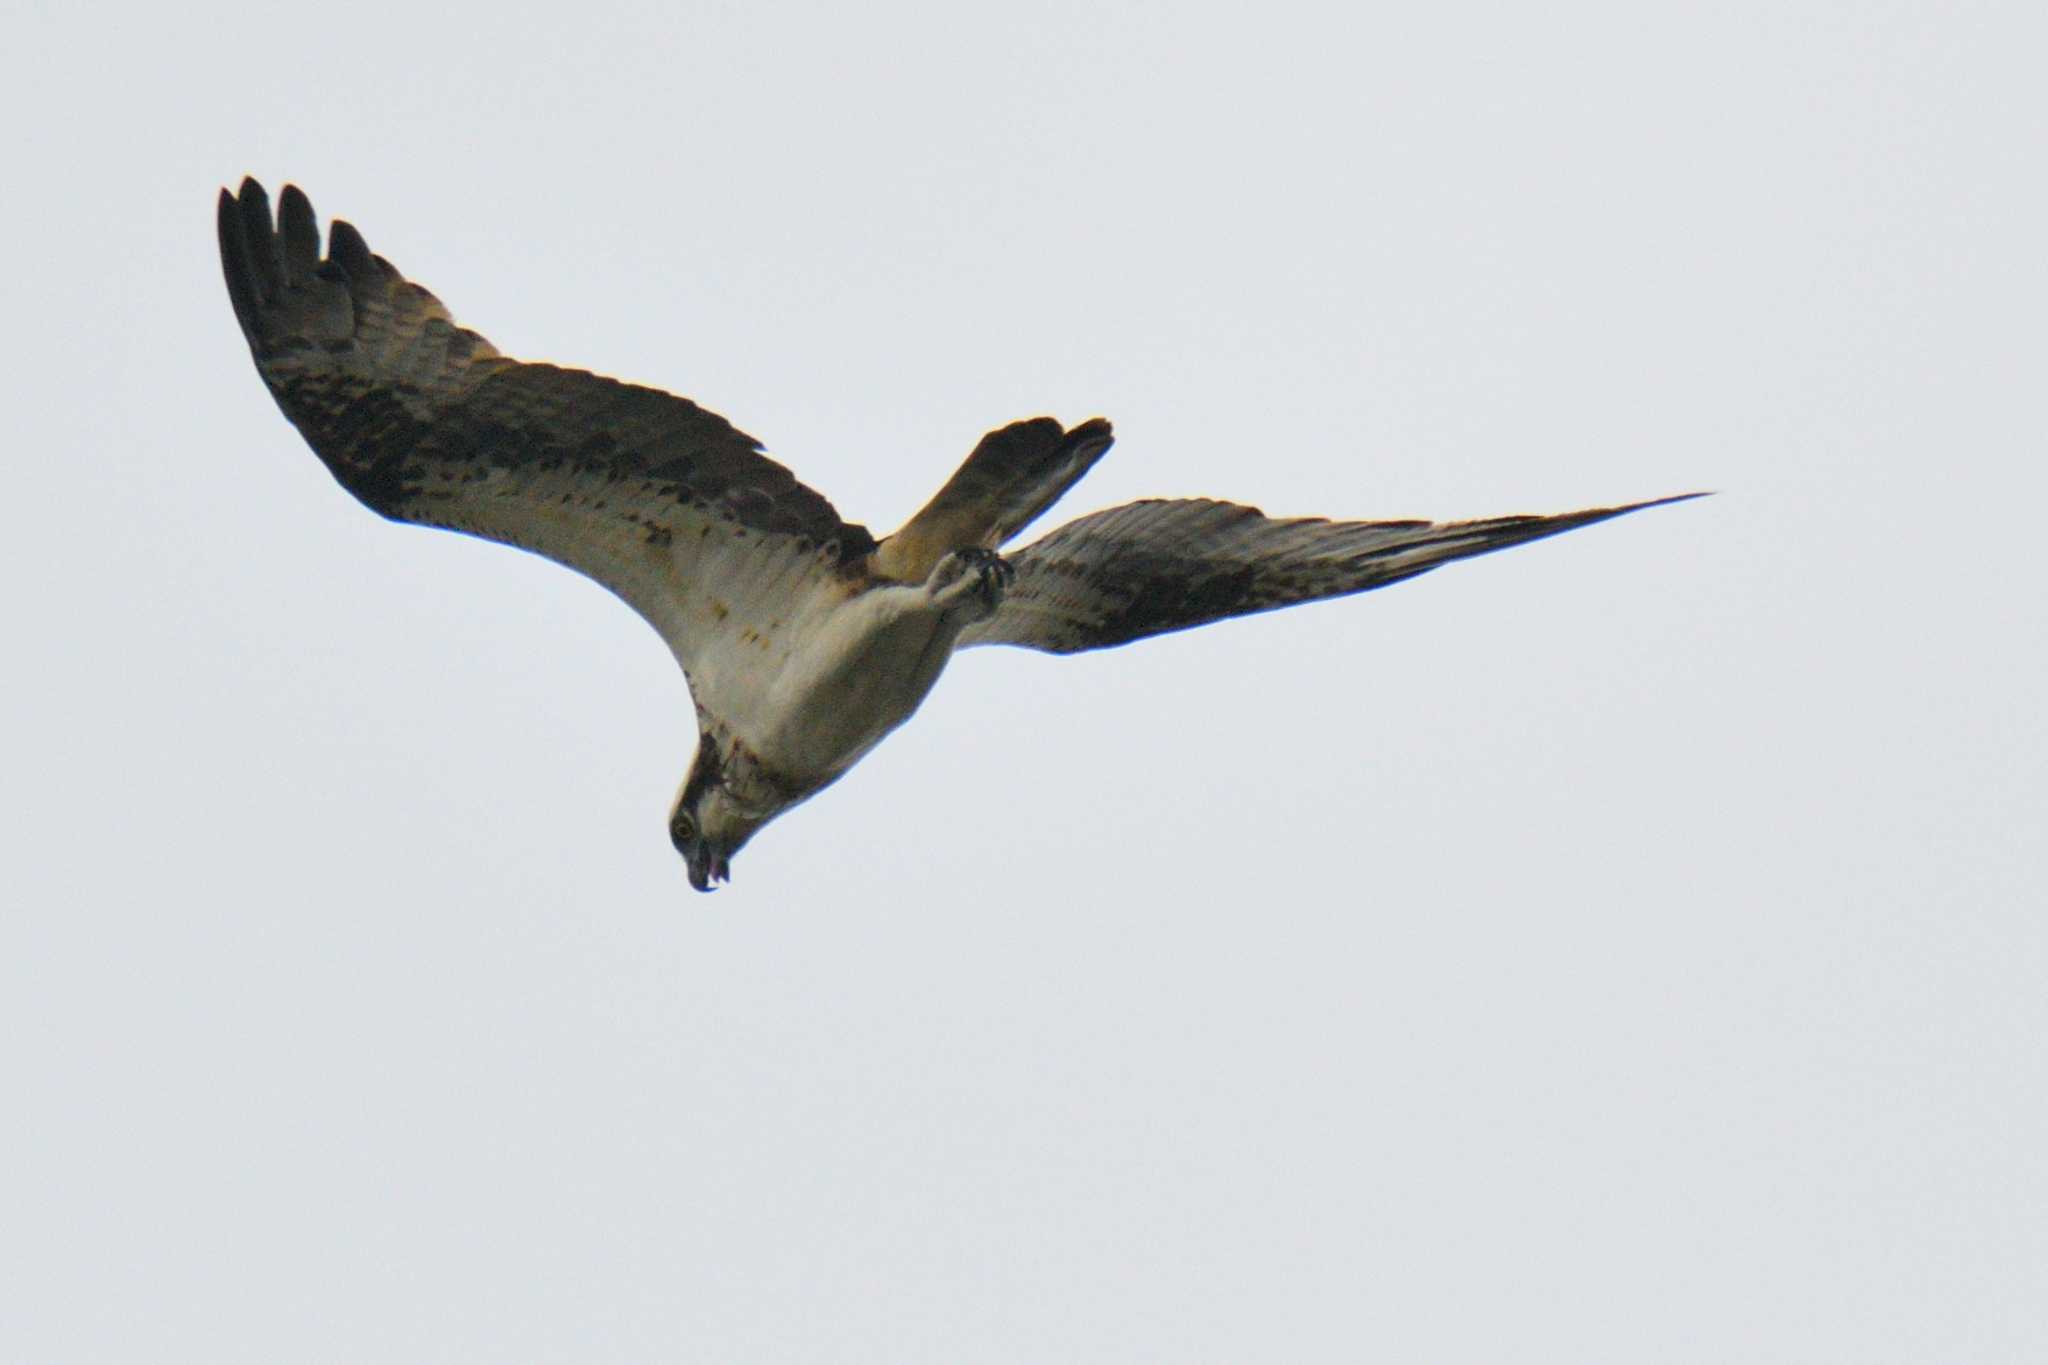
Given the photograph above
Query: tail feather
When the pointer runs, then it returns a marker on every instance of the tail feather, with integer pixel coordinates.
(1013, 476)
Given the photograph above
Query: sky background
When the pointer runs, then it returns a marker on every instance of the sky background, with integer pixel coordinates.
(1629, 947)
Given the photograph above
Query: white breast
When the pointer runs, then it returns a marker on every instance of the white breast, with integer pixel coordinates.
(854, 674)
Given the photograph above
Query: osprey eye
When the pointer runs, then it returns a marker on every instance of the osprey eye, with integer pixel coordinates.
(683, 829)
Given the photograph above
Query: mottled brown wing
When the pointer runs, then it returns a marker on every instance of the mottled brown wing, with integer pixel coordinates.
(1147, 568)
(666, 504)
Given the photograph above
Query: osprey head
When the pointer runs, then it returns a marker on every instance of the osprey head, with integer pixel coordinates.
(712, 818)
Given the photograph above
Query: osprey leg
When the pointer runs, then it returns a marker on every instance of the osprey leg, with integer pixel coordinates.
(970, 583)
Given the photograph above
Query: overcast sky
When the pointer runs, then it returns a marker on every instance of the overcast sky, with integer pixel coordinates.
(1629, 947)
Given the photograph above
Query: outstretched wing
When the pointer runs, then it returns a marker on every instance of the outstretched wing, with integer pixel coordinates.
(1147, 568)
(666, 504)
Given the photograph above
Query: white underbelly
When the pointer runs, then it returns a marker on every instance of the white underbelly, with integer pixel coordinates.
(854, 682)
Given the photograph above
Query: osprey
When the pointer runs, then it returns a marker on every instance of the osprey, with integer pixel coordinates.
(803, 639)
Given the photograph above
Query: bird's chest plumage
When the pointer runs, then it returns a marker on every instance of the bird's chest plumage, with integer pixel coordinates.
(831, 684)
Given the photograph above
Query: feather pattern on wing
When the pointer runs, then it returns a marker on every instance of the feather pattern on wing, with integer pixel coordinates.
(666, 504)
(1150, 567)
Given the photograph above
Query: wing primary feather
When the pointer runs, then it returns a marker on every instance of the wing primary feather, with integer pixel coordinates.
(235, 265)
(262, 242)
(300, 232)
(347, 249)
(1148, 568)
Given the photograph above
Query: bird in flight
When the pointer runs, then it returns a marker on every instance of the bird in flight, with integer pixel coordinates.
(804, 640)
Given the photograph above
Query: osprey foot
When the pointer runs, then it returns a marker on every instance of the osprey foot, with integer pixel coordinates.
(973, 578)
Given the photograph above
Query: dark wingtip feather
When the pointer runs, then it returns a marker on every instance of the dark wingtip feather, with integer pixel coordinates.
(260, 239)
(301, 232)
(347, 249)
(234, 262)
(1462, 540)
(1665, 502)
(1608, 513)
(1572, 521)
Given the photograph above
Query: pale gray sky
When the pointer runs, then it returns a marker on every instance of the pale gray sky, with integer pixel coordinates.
(1630, 947)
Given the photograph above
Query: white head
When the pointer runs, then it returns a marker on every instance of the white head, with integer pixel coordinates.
(726, 797)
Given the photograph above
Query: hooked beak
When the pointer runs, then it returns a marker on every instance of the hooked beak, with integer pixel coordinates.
(707, 865)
